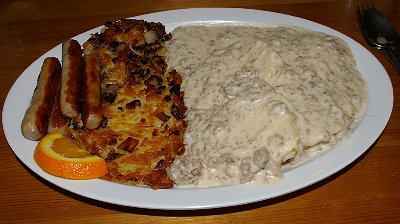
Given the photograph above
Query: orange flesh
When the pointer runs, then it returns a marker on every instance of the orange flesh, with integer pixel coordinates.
(66, 148)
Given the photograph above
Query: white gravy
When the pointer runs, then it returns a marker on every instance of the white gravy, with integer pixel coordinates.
(261, 100)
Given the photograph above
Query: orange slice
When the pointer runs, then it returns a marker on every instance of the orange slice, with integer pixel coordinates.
(60, 157)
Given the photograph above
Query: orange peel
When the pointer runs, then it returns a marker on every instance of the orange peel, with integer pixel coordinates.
(59, 156)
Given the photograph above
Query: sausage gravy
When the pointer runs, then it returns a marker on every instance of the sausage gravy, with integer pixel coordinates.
(261, 100)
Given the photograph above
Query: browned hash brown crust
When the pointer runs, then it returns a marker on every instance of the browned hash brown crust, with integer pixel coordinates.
(144, 122)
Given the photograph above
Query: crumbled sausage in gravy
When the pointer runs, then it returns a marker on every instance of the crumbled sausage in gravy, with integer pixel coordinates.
(261, 99)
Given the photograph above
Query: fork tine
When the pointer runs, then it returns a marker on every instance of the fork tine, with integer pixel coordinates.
(360, 17)
(360, 11)
(367, 8)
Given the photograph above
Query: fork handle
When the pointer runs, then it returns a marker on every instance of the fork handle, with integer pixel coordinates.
(393, 55)
(395, 52)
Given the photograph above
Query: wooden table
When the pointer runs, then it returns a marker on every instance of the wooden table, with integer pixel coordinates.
(366, 191)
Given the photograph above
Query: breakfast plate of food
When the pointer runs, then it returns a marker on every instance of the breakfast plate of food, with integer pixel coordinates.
(197, 108)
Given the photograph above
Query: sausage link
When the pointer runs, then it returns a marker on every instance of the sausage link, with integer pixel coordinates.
(57, 122)
(70, 78)
(92, 114)
(36, 119)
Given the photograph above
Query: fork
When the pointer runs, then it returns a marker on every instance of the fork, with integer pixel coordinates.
(388, 53)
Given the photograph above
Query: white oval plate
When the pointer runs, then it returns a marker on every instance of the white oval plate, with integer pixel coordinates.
(375, 120)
